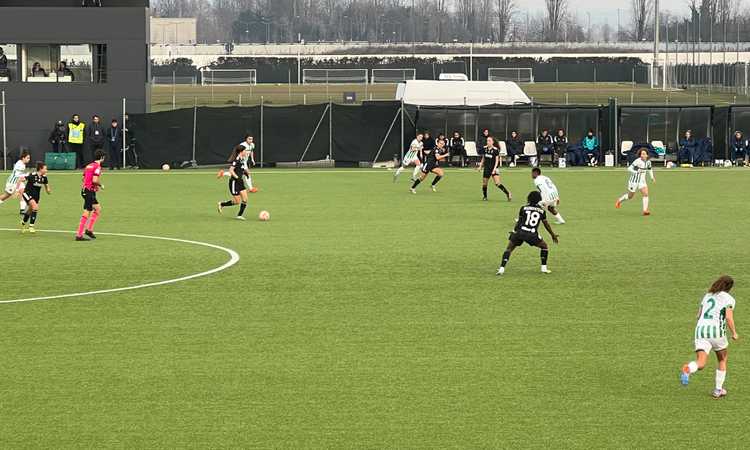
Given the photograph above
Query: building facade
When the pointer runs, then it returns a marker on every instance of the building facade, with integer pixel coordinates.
(62, 59)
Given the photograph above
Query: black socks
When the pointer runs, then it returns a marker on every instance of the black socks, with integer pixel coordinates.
(243, 205)
(502, 188)
(484, 191)
(544, 254)
(227, 203)
(436, 180)
(506, 258)
(33, 217)
(416, 183)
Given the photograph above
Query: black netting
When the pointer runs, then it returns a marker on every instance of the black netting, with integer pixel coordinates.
(163, 137)
(220, 129)
(359, 131)
(287, 131)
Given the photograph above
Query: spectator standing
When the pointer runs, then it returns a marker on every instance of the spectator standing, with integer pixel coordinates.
(458, 147)
(482, 141)
(4, 64)
(514, 146)
(114, 145)
(561, 144)
(688, 148)
(738, 148)
(95, 135)
(76, 131)
(544, 144)
(590, 146)
(58, 137)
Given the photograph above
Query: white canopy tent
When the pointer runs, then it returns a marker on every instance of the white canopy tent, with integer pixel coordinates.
(459, 93)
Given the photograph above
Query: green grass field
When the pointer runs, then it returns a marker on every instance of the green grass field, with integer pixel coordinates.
(362, 316)
(552, 93)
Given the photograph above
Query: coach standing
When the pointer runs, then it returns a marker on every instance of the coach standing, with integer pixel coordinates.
(114, 145)
(95, 135)
(76, 130)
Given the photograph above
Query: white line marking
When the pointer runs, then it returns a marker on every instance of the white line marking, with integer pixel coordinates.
(234, 258)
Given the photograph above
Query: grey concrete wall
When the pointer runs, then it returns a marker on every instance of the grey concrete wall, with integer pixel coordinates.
(32, 108)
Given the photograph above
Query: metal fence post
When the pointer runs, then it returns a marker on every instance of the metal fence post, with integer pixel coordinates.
(124, 131)
(195, 127)
(330, 130)
(401, 145)
(174, 90)
(5, 140)
(261, 131)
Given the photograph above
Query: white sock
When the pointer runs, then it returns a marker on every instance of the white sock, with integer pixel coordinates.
(720, 376)
(23, 204)
(226, 173)
(624, 198)
(415, 174)
(693, 367)
(399, 170)
(2, 201)
(544, 268)
(645, 203)
(559, 217)
(249, 180)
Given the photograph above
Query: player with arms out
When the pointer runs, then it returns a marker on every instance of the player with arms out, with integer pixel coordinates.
(412, 157)
(249, 145)
(490, 163)
(431, 163)
(32, 194)
(550, 194)
(237, 187)
(15, 182)
(715, 315)
(91, 208)
(637, 180)
(527, 230)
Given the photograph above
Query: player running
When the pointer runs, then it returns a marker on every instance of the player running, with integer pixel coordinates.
(16, 180)
(237, 187)
(550, 195)
(491, 163)
(527, 230)
(249, 145)
(91, 208)
(412, 157)
(32, 194)
(637, 181)
(431, 163)
(716, 313)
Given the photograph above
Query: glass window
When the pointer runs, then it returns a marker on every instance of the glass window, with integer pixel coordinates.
(64, 63)
(8, 62)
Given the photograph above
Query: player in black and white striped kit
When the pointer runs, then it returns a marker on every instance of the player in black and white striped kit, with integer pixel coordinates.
(530, 217)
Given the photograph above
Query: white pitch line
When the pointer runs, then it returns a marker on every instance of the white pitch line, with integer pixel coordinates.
(234, 258)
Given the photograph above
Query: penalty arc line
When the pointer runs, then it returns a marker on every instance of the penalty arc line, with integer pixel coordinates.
(234, 258)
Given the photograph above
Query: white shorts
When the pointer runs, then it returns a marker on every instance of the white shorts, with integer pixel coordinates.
(552, 201)
(411, 158)
(635, 187)
(706, 345)
(11, 188)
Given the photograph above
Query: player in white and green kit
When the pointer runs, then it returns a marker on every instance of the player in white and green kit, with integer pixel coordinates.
(637, 181)
(15, 182)
(715, 316)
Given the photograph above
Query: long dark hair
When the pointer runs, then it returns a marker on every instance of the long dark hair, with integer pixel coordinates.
(236, 152)
(723, 284)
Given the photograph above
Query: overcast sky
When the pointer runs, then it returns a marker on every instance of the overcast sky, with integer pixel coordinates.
(606, 10)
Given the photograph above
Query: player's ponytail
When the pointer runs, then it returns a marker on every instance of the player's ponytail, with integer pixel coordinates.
(236, 152)
(723, 284)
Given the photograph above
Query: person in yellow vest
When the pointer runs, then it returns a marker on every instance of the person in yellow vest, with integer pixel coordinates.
(75, 138)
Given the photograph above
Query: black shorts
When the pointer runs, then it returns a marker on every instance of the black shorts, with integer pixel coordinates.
(28, 197)
(236, 186)
(488, 172)
(519, 237)
(427, 168)
(89, 200)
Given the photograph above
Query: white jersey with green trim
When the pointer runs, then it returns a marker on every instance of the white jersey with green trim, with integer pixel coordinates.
(19, 172)
(546, 187)
(712, 322)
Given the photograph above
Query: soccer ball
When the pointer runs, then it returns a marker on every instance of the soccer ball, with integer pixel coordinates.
(727, 163)
(264, 216)
(165, 167)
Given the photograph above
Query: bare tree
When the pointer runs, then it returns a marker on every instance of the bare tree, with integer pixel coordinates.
(504, 11)
(555, 11)
(641, 10)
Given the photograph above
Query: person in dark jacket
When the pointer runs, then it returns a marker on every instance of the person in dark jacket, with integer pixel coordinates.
(738, 148)
(544, 144)
(688, 148)
(561, 143)
(114, 145)
(429, 141)
(514, 146)
(95, 135)
(38, 71)
(58, 137)
(482, 141)
(458, 148)
(4, 72)
(63, 71)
